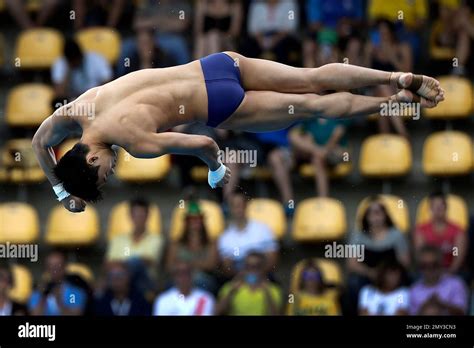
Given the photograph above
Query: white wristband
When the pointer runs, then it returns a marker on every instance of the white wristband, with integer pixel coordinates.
(60, 192)
(215, 176)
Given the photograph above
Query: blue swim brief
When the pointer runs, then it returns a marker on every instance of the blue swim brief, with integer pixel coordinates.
(224, 87)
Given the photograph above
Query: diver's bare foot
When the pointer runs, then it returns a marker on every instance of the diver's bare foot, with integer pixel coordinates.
(406, 96)
(425, 86)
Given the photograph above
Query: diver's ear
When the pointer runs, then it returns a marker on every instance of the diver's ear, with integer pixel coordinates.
(92, 159)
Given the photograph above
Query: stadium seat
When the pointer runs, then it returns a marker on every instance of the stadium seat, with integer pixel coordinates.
(457, 211)
(102, 40)
(82, 271)
(65, 147)
(71, 229)
(133, 169)
(28, 105)
(339, 171)
(19, 163)
(447, 153)
(385, 155)
(22, 284)
(319, 219)
(19, 223)
(396, 207)
(120, 222)
(331, 271)
(458, 101)
(213, 219)
(38, 48)
(269, 212)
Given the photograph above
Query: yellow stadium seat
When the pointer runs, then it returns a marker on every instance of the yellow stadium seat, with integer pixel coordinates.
(23, 284)
(331, 272)
(65, 147)
(385, 155)
(458, 101)
(213, 219)
(19, 163)
(38, 48)
(120, 222)
(72, 229)
(199, 173)
(82, 271)
(269, 212)
(102, 40)
(457, 211)
(319, 219)
(28, 105)
(141, 170)
(19, 223)
(396, 208)
(447, 153)
(339, 171)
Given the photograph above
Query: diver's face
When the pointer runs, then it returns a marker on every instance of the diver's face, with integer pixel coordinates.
(105, 159)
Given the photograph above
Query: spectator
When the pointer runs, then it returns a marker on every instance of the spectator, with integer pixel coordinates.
(324, 142)
(146, 56)
(271, 24)
(382, 241)
(437, 292)
(314, 296)
(184, 298)
(171, 21)
(119, 297)
(217, 26)
(385, 52)
(242, 236)
(76, 72)
(18, 11)
(140, 249)
(388, 295)
(7, 306)
(339, 20)
(250, 292)
(55, 294)
(90, 13)
(195, 247)
(442, 233)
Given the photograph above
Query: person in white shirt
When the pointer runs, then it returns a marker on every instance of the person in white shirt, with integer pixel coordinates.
(388, 296)
(183, 298)
(78, 71)
(243, 236)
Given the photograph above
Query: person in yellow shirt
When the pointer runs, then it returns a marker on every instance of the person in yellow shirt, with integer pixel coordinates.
(250, 292)
(313, 296)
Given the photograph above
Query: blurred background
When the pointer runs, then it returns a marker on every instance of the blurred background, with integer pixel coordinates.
(357, 217)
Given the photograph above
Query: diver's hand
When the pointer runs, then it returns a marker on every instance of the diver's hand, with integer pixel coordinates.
(74, 204)
(219, 177)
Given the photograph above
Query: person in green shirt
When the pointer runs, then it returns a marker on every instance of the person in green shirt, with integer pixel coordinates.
(250, 292)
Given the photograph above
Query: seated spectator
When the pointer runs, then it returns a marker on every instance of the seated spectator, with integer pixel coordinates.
(388, 295)
(324, 142)
(171, 20)
(332, 26)
(184, 298)
(119, 297)
(382, 241)
(450, 238)
(7, 306)
(217, 26)
(314, 296)
(271, 26)
(450, 39)
(76, 72)
(90, 13)
(250, 292)
(140, 249)
(437, 292)
(146, 56)
(385, 52)
(18, 11)
(56, 295)
(195, 247)
(242, 236)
